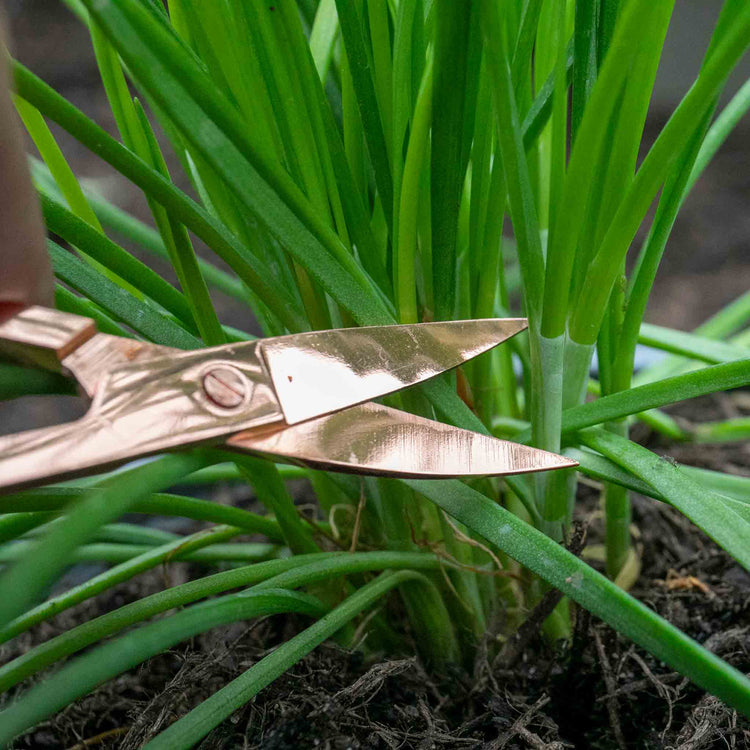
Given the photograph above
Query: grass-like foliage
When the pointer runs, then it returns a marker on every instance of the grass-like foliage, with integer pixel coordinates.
(353, 162)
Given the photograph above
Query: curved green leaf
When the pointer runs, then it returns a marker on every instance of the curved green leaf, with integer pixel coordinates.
(123, 572)
(118, 302)
(159, 504)
(24, 582)
(249, 268)
(723, 524)
(590, 589)
(83, 675)
(319, 566)
(689, 344)
(701, 382)
(202, 719)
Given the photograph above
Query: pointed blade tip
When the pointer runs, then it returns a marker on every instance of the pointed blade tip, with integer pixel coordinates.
(556, 461)
(559, 459)
(530, 460)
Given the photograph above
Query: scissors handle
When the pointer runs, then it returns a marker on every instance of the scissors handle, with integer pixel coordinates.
(62, 451)
(44, 337)
(145, 399)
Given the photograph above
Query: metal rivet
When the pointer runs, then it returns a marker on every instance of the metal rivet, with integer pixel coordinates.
(225, 387)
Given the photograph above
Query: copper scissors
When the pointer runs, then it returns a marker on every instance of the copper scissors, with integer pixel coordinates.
(302, 398)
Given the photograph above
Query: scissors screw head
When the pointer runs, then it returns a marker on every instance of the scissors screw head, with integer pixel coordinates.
(225, 387)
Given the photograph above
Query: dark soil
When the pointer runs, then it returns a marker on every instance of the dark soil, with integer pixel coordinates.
(602, 692)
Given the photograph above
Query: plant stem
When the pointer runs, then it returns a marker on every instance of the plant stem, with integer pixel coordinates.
(195, 725)
(618, 515)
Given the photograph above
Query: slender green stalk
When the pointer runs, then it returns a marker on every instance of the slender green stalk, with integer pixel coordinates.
(323, 36)
(24, 582)
(585, 67)
(689, 345)
(158, 504)
(123, 572)
(14, 525)
(617, 512)
(359, 67)
(60, 170)
(731, 430)
(144, 318)
(229, 472)
(406, 246)
(202, 719)
(454, 80)
(520, 195)
(84, 675)
(721, 325)
(18, 381)
(593, 591)
(335, 563)
(264, 477)
(720, 129)
(56, 162)
(668, 391)
(177, 241)
(216, 236)
(120, 553)
(127, 533)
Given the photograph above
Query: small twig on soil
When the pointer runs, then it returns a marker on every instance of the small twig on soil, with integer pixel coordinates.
(100, 738)
(703, 727)
(514, 646)
(367, 686)
(661, 688)
(519, 729)
(483, 672)
(612, 704)
(537, 742)
(639, 685)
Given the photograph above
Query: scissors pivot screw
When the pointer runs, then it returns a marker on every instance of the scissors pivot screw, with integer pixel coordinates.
(225, 387)
(304, 398)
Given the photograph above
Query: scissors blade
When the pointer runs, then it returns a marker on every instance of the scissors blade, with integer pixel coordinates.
(325, 371)
(375, 439)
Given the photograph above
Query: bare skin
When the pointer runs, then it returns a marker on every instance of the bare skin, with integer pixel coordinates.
(25, 270)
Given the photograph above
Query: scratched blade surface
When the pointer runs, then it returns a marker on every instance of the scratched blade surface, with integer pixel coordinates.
(375, 439)
(324, 371)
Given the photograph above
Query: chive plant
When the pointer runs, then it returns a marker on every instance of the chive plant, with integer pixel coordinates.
(353, 162)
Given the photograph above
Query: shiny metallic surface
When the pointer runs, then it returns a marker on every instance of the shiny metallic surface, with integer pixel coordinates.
(96, 358)
(43, 337)
(324, 371)
(375, 439)
(146, 399)
(141, 408)
(225, 387)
